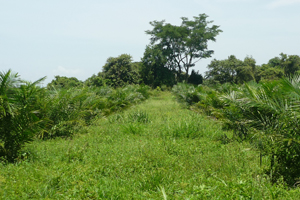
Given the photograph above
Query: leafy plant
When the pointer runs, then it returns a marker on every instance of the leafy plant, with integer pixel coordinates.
(267, 114)
(139, 116)
(18, 113)
(68, 110)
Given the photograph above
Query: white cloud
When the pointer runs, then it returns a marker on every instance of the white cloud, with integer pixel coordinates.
(62, 71)
(280, 3)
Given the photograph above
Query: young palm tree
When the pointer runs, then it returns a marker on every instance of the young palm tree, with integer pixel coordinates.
(18, 118)
(271, 111)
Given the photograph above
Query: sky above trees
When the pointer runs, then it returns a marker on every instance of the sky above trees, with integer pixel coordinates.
(75, 38)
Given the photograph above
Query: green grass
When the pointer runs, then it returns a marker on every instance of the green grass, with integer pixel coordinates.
(155, 150)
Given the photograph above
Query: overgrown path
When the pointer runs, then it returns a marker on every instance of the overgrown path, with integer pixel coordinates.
(154, 150)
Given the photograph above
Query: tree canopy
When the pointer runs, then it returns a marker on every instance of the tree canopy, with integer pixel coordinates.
(231, 70)
(65, 82)
(153, 72)
(186, 44)
(95, 80)
(119, 71)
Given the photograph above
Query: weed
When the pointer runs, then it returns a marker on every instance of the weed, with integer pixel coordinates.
(138, 116)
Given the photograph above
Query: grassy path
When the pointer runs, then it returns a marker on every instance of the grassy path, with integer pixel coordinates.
(154, 150)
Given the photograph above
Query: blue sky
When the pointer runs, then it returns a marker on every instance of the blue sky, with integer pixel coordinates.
(75, 37)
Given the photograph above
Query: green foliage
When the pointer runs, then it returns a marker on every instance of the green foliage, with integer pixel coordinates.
(195, 78)
(96, 80)
(184, 45)
(265, 72)
(65, 82)
(18, 114)
(267, 114)
(28, 111)
(69, 110)
(112, 161)
(201, 96)
(187, 93)
(65, 110)
(231, 70)
(153, 71)
(270, 110)
(139, 116)
(289, 63)
(120, 71)
(189, 128)
(144, 90)
(246, 72)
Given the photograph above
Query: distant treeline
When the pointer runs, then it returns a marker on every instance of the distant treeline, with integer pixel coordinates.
(172, 52)
(233, 70)
(120, 71)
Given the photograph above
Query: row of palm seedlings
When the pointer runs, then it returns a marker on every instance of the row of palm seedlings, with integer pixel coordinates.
(267, 114)
(28, 111)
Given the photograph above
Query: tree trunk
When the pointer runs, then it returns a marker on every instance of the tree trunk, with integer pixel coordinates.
(187, 74)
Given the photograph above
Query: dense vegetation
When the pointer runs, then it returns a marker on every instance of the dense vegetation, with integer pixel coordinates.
(76, 139)
(233, 70)
(266, 114)
(155, 150)
(29, 111)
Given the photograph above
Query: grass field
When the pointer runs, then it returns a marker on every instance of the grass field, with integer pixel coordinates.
(155, 150)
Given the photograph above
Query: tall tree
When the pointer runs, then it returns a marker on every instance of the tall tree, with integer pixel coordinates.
(195, 78)
(290, 64)
(120, 71)
(153, 71)
(186, 44)
(95, 80)
(267, 72)
(246, 70)
(224, 71)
